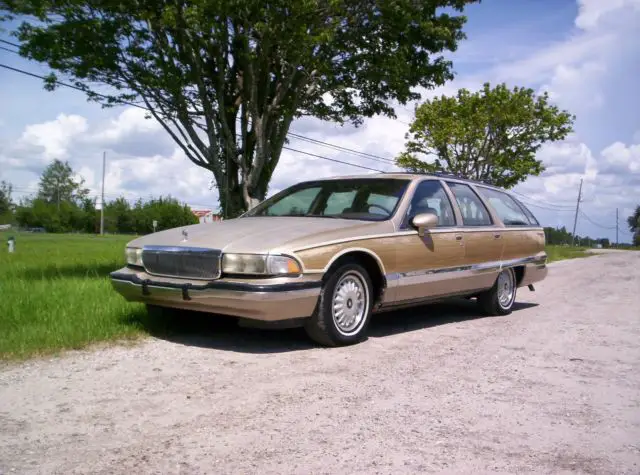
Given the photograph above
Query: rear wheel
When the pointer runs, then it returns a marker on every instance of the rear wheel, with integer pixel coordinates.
(499, 299)
(344, 307)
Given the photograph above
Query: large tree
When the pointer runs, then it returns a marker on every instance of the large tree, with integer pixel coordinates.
(58, 185)
(226, 78)
(490, 135)
(6, 203)
(634, 225)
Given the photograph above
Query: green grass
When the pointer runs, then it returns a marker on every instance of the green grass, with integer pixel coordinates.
(55, 294)
(558, 253)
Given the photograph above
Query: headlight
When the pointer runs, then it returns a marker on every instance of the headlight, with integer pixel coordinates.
(257, 264)
(134, 256)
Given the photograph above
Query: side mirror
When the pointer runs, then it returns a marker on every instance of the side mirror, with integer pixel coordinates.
(424, 221)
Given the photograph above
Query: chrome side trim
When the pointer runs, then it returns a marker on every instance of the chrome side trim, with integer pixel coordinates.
(475, 268)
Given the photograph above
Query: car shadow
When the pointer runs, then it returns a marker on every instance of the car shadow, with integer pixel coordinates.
(223, 333)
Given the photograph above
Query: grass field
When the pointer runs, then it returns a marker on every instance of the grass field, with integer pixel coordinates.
(55, 293)
(558, 253)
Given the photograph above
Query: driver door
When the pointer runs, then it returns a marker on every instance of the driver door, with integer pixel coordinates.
(428, 266)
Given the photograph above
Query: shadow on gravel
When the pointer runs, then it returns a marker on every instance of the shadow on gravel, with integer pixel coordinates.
(427, 316)
(221, 332)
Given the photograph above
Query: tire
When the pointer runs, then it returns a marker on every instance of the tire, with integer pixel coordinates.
(499, 299)
(349, 287)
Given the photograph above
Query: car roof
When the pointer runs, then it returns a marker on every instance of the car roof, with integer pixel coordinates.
(411, 176)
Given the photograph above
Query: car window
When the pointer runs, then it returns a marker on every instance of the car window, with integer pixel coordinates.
(369, 199)
(381, 204)
(527, 211)
(339, 201)
(506, 208)
(474, 212)
(295, 204)
(430, 197)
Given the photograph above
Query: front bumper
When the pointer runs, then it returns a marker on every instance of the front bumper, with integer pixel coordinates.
(266, 300)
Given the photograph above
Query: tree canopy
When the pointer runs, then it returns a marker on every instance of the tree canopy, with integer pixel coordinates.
(634, 225)
(57, 184)
(6, 202)
(226, 78)
(491, 135)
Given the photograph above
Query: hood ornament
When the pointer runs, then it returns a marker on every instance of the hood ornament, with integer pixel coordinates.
(185, 235)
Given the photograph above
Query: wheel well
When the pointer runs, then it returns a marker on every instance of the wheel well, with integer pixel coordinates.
(371, 266)
(519, 271)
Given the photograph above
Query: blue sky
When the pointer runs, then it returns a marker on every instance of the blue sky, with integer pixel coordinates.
(584, 53)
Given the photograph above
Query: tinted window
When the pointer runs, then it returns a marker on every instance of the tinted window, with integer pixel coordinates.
(295, 204)
(430, 197)
(339, 201)
(532, 218)
(371, 199)
(474, 213)
(506, 208)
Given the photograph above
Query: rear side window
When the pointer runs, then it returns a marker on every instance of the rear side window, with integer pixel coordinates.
(532, 218)
(474, 212)
(506, 207)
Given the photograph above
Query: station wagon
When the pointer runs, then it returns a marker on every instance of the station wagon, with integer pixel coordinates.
(326, 254)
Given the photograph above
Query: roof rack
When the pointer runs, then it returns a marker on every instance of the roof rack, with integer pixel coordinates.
(448, 175)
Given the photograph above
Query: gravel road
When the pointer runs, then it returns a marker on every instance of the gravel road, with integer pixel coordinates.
(552, 388)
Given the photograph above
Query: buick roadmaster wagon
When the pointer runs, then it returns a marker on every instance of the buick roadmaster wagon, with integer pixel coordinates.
(328, 253)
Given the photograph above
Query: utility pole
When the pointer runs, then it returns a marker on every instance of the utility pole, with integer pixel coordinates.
(616, 227)
(575, 219)
(104, 160)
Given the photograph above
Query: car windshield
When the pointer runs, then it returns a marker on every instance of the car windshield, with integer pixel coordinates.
(370, 199)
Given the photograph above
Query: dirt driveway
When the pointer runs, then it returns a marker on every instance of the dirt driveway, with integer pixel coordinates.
(553, 388)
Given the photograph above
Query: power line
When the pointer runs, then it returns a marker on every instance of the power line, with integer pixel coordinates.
(9, 50)
(332, 159)
(542, 201)
(9, 43)
(365, 155)
(594, 223)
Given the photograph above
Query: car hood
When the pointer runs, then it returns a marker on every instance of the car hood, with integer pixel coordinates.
(263, 234)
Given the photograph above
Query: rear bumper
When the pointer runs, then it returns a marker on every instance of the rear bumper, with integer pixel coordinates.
(535, 271)
(266, 301)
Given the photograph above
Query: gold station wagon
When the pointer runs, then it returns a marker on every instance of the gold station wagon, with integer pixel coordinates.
(326, 254)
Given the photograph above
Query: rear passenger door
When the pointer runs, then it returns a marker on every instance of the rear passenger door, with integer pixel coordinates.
(522, 237)
(483, 238)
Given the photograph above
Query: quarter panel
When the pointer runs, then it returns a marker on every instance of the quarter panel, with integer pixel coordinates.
(522, 243)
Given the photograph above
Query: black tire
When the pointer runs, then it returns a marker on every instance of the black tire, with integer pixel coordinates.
(322, 326)
(490, 301)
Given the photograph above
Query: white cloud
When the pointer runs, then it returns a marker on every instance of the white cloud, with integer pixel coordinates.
(591, 12)
(52, 138)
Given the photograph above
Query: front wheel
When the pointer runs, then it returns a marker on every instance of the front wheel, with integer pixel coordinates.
(344, 307)
(499, 299)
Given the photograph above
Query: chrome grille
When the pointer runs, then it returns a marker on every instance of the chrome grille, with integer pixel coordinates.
(182, 262)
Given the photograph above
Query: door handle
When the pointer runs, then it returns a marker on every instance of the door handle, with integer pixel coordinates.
(459, 238)
(496, 236)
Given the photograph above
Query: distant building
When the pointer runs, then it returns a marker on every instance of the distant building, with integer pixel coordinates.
(206, 215)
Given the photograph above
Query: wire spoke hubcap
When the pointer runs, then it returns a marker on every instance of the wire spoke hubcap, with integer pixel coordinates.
(506, 288)
(350, 303)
